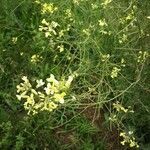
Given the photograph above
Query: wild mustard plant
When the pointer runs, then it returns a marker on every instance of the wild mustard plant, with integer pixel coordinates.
(90, 36)
(41, 96)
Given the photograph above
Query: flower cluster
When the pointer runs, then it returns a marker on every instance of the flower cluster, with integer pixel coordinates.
(142, 56)
(123, 38)
(105, 3)
(113, 118)
(48, 28)
(123, 62)
(68, 14)
(14, 39)
(119, 108)
(42, 95)
(104, 57)
(35, 58)
(94, 6)
(61, 48)
(86, 32)
(128, 138)
(102, 23)
(115, 72)
(48, 8)
(77, 2)
(130, 17)
(103, 27)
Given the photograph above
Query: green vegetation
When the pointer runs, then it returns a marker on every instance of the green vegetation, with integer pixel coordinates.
(74, 74)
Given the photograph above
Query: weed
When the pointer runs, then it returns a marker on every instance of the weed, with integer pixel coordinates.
(97, 52)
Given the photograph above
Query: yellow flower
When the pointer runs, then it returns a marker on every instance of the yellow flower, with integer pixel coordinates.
(22, 95)
(25, 79)
(61, 48)
(68, 13)
(115, 72)
(68, 82)
(39, 83)
(48, 8)
(105, 3)
(37, 1)
(23, 86)
(142, 56)
(36, 58)
(60, 97)
(34, 91)
(44, 22)
(128, 138)
(48, 28)
(86, 32)
(102, 23)
(48, 90)
(119, 107)
(52, 79)
(19, 88)
(61, 33)
(29, 101)
(94, 6)
(43, 98)
(122, 142)
(14, 40)
(105, 57)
